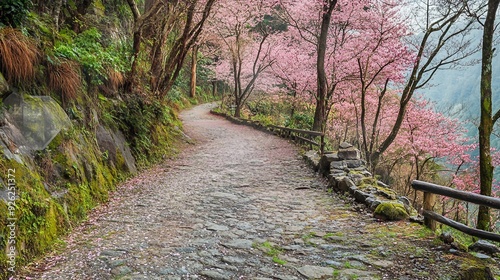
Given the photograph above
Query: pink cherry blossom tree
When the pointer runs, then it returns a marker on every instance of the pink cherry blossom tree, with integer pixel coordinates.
(247, 37)
(441, 41)
(382, 58)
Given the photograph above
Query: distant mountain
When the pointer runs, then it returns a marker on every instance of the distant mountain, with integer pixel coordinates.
(456, 93)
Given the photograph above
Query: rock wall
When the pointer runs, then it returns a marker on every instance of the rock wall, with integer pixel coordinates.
(347, 173)
(47, 189)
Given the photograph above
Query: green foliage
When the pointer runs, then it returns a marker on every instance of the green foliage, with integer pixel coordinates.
(282, 113)
(150, 127)
(87, 49)
(263, 119)
(203, 72)
(300, 120)
(13, 12)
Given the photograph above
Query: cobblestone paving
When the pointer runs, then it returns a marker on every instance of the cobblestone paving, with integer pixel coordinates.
(240, 204)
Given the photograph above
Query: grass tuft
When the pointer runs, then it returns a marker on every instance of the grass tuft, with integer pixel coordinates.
(18, 56)
(65, 79)
(115, 79)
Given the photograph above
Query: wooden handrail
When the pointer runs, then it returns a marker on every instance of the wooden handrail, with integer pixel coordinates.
(461, 227)
(307, 132)
(285, 132)
(288, 132)
(454, 193)
(430, 190)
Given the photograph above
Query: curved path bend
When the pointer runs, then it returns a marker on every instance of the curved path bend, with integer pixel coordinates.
(239, 204)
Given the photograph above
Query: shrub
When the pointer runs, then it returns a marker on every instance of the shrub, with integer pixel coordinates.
(97, 61)
(13, 12)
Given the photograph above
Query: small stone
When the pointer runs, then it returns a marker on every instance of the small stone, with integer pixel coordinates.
(214, 227)
(360, 196)
(344, 184)
(186, 250)
(115, 263)
(294, 228)
(484, 246)
(325, 163)
(446, 237)
(298, 241)
(166, 271)
(316, 241)
(383, 263)
(337, 165)
(334, 263)
(355, 163)
(239, 244)
(482, 256)
(212, 274)
(292, 247)
(121, 270)
(349, 153)
(315, 272)
(112, 253)
(224, 195)
(233, 260)
(345, 145)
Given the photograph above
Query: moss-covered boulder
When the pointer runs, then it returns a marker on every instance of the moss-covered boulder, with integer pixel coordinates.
(476, 271)
(391, 210)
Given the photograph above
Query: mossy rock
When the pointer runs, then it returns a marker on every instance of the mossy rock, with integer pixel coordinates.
(391, 210)
(4, 86)
(476, 271)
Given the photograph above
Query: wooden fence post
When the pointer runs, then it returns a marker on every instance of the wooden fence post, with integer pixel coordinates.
(429, 199)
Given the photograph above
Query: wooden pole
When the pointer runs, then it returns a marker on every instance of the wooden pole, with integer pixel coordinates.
(429, 199)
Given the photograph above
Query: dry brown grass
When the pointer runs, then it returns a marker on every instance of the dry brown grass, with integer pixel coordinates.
(18, 56)
(65, 79)
(115, 79)
(114, 82)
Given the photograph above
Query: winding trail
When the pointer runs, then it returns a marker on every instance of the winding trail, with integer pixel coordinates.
(239, 204)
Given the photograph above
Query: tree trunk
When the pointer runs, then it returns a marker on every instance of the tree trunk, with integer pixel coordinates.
(214, 87)
(319, 113)
(194, 61)
(322, 90)
(136, 47)
(57, 13)
(486, 122)
(237, 109)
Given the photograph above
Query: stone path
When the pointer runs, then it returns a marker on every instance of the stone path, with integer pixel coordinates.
(240, 204)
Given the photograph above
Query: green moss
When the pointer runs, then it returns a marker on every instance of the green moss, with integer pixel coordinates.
(271, 250)
(473, 269)
(391, 210)
(120, 161)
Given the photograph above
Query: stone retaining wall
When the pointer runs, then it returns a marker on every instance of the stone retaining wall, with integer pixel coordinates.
(347, 173)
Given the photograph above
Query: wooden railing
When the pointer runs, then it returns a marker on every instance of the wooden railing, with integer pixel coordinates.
(304, 137)
(430, 217)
